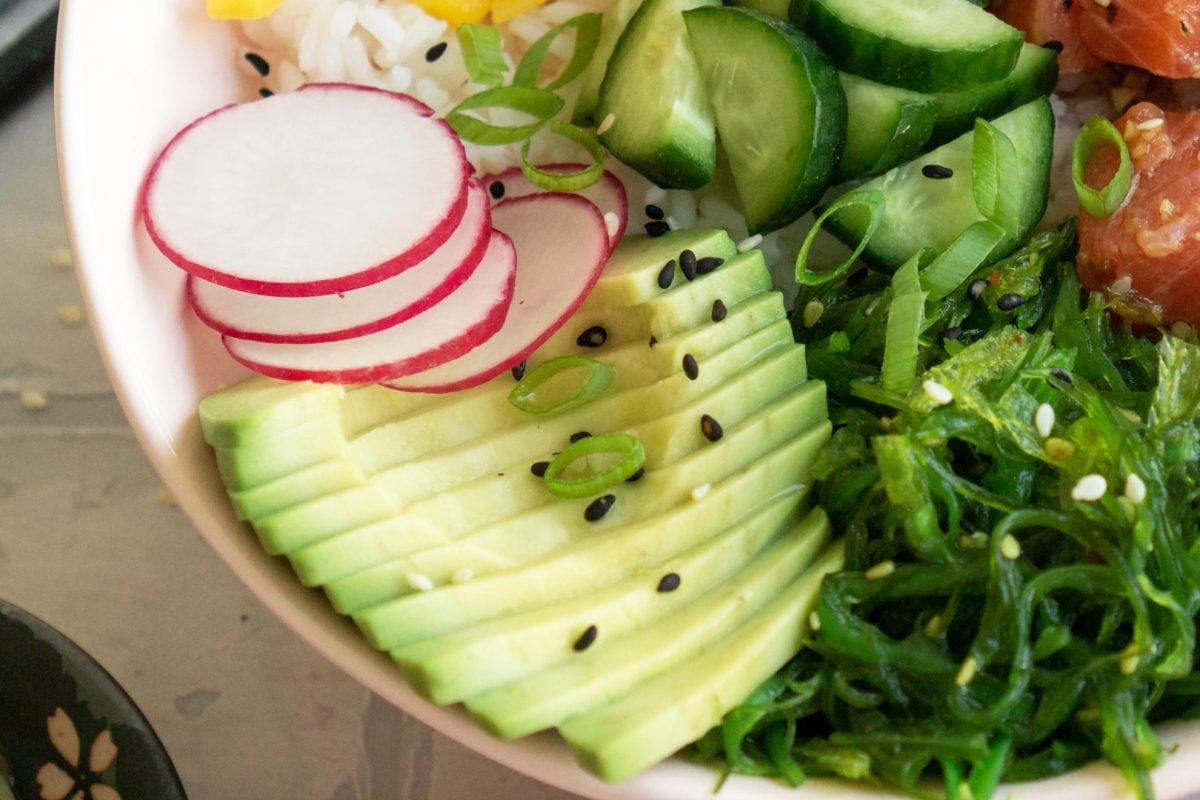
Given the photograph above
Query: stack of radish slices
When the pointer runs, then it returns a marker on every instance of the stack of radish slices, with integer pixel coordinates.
(335, 234)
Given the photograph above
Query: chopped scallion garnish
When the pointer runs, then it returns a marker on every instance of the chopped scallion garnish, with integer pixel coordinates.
(1097, 133)
(906, 317)
(873, 203)
(587, 35)
(993, 167)
(539, 104)
(566, 181)
(561, 383)
(628, 451)
(482, 53)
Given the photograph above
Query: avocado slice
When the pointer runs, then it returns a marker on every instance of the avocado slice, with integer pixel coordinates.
(468, 662)
(258, 408)
(312, 442)
(501, 494)
(554, 524)
(596, 561)
(608, 670)
(620, 738)
(631, 275)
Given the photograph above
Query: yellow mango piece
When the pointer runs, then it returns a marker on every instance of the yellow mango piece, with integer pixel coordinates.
(242, 9)
(504, 10)
(456, 12)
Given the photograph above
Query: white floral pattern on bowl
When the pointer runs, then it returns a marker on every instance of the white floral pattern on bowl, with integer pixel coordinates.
(78, 783)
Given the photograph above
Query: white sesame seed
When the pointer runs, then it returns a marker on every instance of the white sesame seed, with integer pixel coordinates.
(964, 791)
(933, 628)
(966, 673)
(1135, 489)
(463, 575)
(606, 124)
(1090, 488)
(1121, 285)
(937, 393)
(1129, 665)
(1150, 124)
(672, 223)
(749, 243)
(1043, 420)
(1010, 548)
(612, 223)
(701, 491)
(34, 401)
(1102, 3)
(880, 570)
(655, 195)
(813, 310)
(419, 582)
(69, 314)
(814, 621)
(59, 257)
(1181, 330)
(870, 309)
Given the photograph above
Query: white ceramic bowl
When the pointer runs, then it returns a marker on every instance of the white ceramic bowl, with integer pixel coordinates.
(130, 73)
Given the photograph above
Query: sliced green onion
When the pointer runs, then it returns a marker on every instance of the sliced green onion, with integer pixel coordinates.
(539, 104)
(1095, 134)
(560, 384)
(973, 248)
(567, 181)
(874, 203)
(993, 170)
(587, 36)
(482, 53)
(632, 456)
(906, 317)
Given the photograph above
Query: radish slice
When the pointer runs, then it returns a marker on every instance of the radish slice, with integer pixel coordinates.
(358, 312)
(607, 194)
(307, 193)
(562, 247)
(463, 321)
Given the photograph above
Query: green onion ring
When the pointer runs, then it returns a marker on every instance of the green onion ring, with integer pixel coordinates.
(874, 203)
(633, 457)
(540, 104)
(587, 36)
(482, 53)
(956, 263)
(993, 167)
(1096, 133)
(524, 395)
(567, 181)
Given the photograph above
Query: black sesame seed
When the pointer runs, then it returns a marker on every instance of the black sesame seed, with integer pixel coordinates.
(518, 371)
(599, 507)
(265, 92)
(669, 583)
(539, 468)
(259, 63)
(707, 265)
(586, 639)
(690, 367)
(657, 228)
(653, 341)
(937, 172)
(654, 212)
(1008, 302)
(719, 311)
(496, 189)
(711, 429)
(575, 437)
(1067, 5)
(688, 263)
(1054, 44)
(435, 52)
(637, 476)
(594, 336)
(666, 275)
(1112, 12)
(977, 288)
(953, 333)
(1061, 374)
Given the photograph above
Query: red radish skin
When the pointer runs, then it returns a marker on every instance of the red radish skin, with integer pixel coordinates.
(562, 247)
(328, 318)
(307, 193)
(607, 194)
(463, 321)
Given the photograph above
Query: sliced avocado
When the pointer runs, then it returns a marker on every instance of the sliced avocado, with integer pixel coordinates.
(311, 483)
(632, 273)
(620, 738)
(246, 467)
(611, 668)
(259, 408)
(438, 519)
(462, 664)
(554, 524)
(599, 561)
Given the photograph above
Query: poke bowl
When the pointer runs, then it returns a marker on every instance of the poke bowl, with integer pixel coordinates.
(131, 75)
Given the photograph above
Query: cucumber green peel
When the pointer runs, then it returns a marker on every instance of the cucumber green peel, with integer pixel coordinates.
(990, 626)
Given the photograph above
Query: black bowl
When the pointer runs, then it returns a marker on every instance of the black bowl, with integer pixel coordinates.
(67, 729)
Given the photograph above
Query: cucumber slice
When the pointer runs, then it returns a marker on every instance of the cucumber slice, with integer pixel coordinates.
(662, 122)
(922, 211)
(1035, 75)
(927, 45)
(780, 109)
(616, 18)
(776, 8)
(887, 126)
